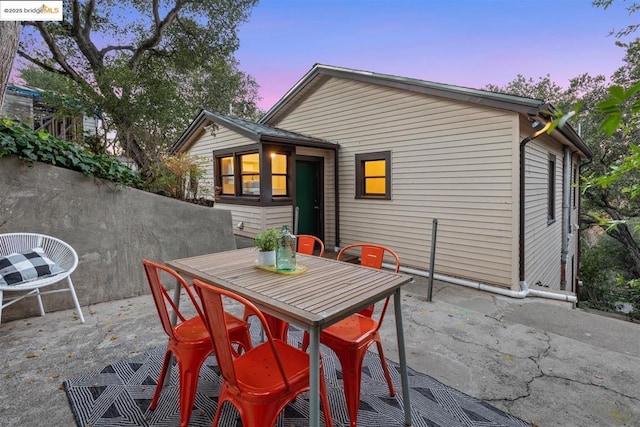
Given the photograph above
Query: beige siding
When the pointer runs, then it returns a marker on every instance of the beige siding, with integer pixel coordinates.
(204, 146)
(257, 218)
(450, 161)
(543, 242)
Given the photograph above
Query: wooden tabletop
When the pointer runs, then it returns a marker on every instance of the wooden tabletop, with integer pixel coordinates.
(326, 292)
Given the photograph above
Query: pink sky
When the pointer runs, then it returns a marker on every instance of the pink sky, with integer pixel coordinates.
(462, 42)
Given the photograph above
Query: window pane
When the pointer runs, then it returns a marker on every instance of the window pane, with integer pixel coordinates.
(374, 186)
(279, 185)
(251, 185)
(279, 163)
(250, 163)
(226, 166)
(228, 185)
(374, 168)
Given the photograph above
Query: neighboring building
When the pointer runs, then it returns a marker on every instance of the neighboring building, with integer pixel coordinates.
(374, 157)
(28, 105)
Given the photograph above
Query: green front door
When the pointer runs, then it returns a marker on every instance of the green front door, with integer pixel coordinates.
(309, 201)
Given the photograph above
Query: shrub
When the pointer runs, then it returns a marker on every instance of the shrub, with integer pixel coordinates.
(605, 277)
(176, 176)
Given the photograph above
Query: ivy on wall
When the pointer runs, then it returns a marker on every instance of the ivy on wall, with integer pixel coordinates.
(29, 145)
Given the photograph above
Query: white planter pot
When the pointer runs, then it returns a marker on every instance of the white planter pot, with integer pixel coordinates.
(267, 259)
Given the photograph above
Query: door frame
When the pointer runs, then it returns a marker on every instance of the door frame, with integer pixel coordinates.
(319, 162)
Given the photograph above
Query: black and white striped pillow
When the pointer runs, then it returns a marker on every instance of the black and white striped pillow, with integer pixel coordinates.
(22, 267)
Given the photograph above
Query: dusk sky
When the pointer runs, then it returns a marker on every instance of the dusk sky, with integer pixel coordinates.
(469, 43)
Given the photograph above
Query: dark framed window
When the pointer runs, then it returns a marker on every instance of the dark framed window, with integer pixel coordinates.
(373, 175)
(254, 175)
(237, 173)
(551, 190)
(227, 177)
(250, 174)
(279, 174)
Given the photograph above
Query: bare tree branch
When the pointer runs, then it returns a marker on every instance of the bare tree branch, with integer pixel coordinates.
(58, 56)
(83, 35)
(40, 63)
(103, 52)
(160, 27)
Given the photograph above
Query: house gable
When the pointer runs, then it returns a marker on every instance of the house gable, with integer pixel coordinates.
(451, 161)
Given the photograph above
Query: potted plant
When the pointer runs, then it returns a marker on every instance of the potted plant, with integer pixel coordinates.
(266, 242)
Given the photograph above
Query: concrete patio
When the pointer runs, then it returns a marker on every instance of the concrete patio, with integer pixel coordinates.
(542, 361)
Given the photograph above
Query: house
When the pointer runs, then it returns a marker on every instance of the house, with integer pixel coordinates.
(351, 156)
(29, 106)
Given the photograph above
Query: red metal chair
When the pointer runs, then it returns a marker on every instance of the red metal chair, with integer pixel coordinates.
(307, 244)
(351, 337)
(189, 339)
(262, 381)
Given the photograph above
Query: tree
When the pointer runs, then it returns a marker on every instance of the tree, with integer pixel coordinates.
(9, 37)
(142, 63)
(599, 203)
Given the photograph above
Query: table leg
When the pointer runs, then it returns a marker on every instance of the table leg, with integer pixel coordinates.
(403, 358)
(314, 377)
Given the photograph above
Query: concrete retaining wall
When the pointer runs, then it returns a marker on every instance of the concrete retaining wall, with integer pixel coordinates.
(111, 228)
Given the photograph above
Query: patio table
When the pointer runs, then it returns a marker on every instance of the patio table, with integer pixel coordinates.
(325, 293)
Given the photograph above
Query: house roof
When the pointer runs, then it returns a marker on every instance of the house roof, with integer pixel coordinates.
(256, 131)
(527, 106)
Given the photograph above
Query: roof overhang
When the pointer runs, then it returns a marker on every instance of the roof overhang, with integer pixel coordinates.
(530, 107)
(247, 129)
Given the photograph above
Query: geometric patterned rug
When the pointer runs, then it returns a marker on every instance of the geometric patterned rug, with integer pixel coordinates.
(120, 394)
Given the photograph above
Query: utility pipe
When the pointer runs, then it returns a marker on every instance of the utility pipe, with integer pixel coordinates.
(566, 216)
(484, 287)
(521, 251)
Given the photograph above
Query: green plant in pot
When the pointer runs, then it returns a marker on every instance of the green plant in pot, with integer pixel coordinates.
(266, 243)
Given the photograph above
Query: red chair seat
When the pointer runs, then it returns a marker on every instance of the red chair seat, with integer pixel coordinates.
(352, 330)
(192, 330)
(252, 375)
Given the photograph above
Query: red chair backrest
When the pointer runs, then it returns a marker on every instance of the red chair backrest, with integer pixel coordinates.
(213, 308)
(161, 297)
(372, 255)
(307, 244)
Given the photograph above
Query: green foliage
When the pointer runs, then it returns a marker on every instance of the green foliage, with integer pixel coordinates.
(600, 264)
(607, 282)
(629, 292)
(267, 240)
(19, 139)
(176, 176)
(148, 76)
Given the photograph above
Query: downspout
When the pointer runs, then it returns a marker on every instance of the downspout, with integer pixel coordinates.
(566, 216)
(523, 143)
(336, 192)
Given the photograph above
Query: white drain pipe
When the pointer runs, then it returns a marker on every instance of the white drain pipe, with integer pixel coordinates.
(484, 287)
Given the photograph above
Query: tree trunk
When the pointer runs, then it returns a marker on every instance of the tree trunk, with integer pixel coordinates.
(9, 38)
(622, 234)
